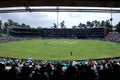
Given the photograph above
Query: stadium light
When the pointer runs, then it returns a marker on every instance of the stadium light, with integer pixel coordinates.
(111, 19)
(57, 16)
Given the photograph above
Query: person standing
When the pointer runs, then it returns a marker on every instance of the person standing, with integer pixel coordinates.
(71, 53)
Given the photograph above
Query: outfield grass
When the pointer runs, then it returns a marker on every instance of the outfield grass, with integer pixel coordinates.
(59, 49)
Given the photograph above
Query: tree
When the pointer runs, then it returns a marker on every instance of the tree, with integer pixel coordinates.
(28, 26)
(117, 27)
(16, 24)
(108, 25)
(62, 24)
(10, 22)
(81, 25)
(54, 26)
(39, 27)
(74, 27)
(5, 25)
(84, 26)
(96, 23)
(102, 24)
(89, 24)
(23, 25)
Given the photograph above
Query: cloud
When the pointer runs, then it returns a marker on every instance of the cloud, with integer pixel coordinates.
(46, 19)
(74, 18)
(116, 18)
(33, 19)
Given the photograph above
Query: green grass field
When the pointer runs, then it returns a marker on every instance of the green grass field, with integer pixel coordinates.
(59, 49)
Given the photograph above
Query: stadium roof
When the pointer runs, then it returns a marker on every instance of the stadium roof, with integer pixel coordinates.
(80, 3)
(27, 4)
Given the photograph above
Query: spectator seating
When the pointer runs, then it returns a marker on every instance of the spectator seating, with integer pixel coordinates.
(29, 69)
(113, 36)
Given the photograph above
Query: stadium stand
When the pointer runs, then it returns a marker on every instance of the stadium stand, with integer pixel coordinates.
(60, 33)
(10, 39)
(113, 36)
(29, 69)
(24, 32)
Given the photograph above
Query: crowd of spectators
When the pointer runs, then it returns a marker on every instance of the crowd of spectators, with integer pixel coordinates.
(113, 36)
(29, 69)
(10, 39)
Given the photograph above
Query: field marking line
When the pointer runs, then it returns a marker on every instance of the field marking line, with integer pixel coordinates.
(63, 42)
(73, 42)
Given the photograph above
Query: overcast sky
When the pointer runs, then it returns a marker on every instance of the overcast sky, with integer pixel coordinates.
(46, 19)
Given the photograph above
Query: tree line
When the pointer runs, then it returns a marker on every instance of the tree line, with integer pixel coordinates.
(11, 23)
(93, 24)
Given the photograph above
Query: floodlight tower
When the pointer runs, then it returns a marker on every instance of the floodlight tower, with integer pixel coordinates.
(57, 16)
(111, 19)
